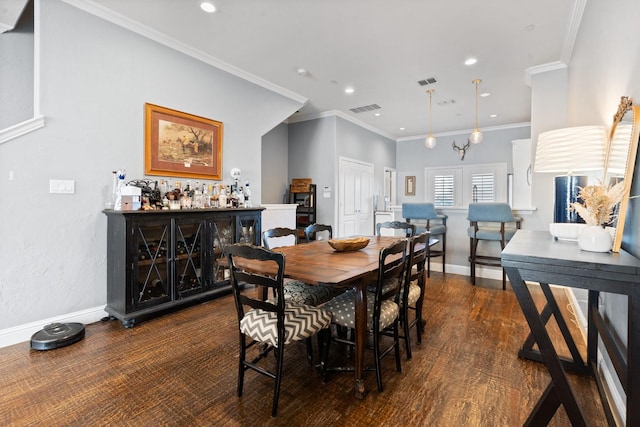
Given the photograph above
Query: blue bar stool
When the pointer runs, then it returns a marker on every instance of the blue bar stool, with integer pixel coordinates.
(491, 222)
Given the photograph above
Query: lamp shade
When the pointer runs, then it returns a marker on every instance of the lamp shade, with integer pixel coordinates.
(568, 150)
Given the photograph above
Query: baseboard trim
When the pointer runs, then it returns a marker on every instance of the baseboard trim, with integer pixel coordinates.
(22, 333)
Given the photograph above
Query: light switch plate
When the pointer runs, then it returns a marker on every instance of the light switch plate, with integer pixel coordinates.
(62, 186)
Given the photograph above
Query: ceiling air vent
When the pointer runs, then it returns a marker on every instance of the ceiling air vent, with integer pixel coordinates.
(365, 108)
(427, 81)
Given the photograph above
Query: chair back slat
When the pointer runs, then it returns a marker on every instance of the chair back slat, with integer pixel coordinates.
(409, 229)
(239, 256)
(311, 231)
(416, 257)
(390, 271)
(273, 233)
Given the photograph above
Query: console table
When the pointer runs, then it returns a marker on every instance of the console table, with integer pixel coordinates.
(535, 256)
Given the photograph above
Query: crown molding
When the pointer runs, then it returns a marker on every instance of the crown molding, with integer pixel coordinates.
(465, 131)
(337, 113)
(573, 25)
(138, 28)
(543, 68)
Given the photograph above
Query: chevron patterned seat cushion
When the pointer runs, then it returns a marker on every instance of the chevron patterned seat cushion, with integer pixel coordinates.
(342, 309)
(300, 322)
(298, 292)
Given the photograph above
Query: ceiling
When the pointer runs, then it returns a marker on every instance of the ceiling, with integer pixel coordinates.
(379, 48)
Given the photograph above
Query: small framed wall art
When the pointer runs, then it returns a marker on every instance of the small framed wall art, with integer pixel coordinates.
(181, 144)
(409, 185)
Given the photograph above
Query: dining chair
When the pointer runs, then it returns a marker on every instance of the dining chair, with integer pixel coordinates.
(491, 222)
(412, 294)
(409, 229)
(311, 232)
(274, 324)
(383, 311)
(295, 290)
(436, 224)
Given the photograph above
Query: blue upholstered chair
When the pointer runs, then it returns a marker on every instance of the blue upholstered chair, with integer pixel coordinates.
(490, 222)
(436, 226)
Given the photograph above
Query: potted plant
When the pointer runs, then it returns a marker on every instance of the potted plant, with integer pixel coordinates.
(597, 210)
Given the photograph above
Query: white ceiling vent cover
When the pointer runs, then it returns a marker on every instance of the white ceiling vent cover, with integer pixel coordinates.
(365, 108)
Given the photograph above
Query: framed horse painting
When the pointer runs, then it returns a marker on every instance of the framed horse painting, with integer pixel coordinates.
(181, 144)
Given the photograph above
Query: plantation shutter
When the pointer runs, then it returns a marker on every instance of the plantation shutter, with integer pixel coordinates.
(483, 187)
(443, 190)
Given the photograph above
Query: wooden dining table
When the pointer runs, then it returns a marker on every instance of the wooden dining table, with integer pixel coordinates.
(317, 263)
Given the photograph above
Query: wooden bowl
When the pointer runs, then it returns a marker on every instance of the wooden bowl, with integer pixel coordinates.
(351, 244)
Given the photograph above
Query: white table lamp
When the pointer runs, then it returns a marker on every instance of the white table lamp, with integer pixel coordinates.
(566, 151)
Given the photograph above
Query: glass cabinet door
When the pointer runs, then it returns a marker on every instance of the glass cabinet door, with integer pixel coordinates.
(189, 256)
(150, 281)
(222, 234)
(248, 229)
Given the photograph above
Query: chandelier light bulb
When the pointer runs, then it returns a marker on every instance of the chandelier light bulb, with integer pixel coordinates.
(430, 142)
(476, 135)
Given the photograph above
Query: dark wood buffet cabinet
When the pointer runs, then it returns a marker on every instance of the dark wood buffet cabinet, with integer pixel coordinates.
(160, 260)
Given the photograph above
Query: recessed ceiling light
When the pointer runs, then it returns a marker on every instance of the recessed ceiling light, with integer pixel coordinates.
(207, 6)
(470, 61)
(493, 116)
(302, 71)
(485, 94)
(377, 114)
(401, 128)
(349, 90)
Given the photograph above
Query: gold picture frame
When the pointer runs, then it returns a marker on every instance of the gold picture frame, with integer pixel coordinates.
(181, 144)
(409, 185)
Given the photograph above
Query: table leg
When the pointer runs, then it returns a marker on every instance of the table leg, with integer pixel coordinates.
(361, 336)
(576, 363)
(559, 390)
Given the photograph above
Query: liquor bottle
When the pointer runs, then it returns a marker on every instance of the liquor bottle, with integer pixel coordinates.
(222, 197)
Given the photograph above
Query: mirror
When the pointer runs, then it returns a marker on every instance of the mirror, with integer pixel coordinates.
(620, 158)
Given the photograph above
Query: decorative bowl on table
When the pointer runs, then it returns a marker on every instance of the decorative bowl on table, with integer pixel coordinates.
(350, 244)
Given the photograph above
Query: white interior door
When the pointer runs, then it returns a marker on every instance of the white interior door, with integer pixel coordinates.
(355, 209)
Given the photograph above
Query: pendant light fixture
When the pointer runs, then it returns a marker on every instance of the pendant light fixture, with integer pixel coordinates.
(476, 135)
(430, 142)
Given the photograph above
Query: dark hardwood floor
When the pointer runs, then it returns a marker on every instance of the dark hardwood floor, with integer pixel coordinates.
(181, 369)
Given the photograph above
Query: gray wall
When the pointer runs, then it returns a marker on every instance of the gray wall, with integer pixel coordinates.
(16, 71)
(95, 80)
(315, 147)
(275, 159)
(312, 154)
(358, 143)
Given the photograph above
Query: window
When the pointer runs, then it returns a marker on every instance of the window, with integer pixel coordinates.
(482, 187)
(458, 186)
(443, 190)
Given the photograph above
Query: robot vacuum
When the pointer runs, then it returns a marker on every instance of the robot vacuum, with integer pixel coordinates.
(57, 335)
